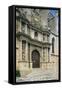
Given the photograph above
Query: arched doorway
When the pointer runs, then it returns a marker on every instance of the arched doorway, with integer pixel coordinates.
(35, 59)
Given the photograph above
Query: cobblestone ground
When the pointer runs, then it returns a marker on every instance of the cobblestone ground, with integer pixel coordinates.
(40, 75)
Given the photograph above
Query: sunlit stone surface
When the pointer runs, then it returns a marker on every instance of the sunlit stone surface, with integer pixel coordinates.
(36, 44)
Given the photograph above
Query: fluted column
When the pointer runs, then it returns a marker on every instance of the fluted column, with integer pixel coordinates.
(20, 28)
(26, 28)
(48, 55)
(26, 55)
(20, 51)
(42, 55)
(20, 55)
(26, 51)
(18, 23)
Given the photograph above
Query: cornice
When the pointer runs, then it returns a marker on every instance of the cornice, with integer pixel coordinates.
(23, 36)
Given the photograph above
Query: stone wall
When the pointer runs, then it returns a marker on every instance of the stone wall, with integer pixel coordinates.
(48, 60)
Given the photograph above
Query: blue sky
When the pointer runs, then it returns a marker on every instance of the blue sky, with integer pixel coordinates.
(53, 12)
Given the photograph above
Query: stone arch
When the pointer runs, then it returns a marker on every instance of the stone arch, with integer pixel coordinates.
(35, 59)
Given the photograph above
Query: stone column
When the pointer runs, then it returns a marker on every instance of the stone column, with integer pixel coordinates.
(41, 37)
(29, 54)
(26, 29)
(17, 54)
(30, 57)
(48, 55)
(26, 54)
(42, 55)
(20, 51)
(46, 38)
(20, 55)
(19, 28)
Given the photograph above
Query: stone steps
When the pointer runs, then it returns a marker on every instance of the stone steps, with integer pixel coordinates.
(38, 74)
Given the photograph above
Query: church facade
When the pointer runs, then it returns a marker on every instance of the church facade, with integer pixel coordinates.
(36, 41)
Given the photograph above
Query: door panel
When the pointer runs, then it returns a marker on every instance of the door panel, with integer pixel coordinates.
(35, 59)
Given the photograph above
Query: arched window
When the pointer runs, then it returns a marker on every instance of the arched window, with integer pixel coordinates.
(43, 37)
(53, 40)
(23, 27)
(36, 35)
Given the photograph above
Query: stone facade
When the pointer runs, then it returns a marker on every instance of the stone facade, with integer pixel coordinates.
(34, 41)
